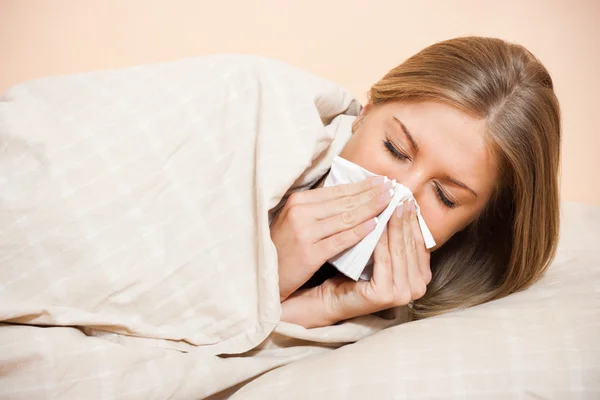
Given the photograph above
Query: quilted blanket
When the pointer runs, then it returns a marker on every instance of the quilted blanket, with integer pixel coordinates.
(135, 255)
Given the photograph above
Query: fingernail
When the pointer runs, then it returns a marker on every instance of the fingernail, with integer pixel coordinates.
(399, 210)
(371, 224)
(384, 197)
(387, 185)
(407, 210)
(378, 180)
(376, 220)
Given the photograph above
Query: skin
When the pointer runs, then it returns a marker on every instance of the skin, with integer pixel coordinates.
(451, 145)
(435, 150)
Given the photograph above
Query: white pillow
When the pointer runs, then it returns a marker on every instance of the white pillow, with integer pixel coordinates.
(543, 343)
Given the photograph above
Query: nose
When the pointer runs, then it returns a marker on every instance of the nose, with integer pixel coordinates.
(415, 180)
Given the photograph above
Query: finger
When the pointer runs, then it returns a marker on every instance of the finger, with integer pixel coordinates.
(349, 219)
(335, 244)
(422, 251)
(335, 192)
(337, 206)
(382, 261)
(398, 252)
(349, 299)
(417, 284)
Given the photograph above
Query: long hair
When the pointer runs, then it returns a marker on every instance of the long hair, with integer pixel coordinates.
(512, 241)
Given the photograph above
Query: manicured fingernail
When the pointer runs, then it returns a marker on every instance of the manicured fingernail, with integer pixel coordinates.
(407, 210)
(414, 209)
(378, 180)
(399, 210)
(371, 224)
(387, 185)
(385, 196)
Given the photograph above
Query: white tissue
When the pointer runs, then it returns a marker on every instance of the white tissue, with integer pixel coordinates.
(354, 261)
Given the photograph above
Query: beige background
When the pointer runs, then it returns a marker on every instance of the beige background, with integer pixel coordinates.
(349, 41)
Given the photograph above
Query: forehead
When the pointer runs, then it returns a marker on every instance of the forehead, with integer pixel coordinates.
(453, 141)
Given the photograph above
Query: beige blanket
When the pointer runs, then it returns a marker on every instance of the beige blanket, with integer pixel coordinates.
(135, 255)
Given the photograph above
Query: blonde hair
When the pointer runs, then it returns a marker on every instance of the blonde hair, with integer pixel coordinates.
(513, 240)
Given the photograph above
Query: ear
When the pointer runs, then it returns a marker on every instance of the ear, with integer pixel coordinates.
(365, 109)
(361, 115)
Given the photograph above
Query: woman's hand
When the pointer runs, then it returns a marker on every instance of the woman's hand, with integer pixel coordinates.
(401, 271)
(400, 274)
(317, 224)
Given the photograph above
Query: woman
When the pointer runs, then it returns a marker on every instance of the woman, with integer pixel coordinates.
(472, 127)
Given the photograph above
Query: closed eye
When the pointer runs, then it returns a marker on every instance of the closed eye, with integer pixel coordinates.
(443, 198)
(395, 152)
(400, 155)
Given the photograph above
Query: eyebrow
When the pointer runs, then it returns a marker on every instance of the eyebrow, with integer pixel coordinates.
(407, 133)
(416, 147)
(460, 184)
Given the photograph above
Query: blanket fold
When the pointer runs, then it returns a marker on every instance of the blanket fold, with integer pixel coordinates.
(134, 224)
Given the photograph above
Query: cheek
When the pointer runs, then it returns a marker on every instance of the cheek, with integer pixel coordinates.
(367, 151)
(435, 218)
(363, 150)
(438, 218)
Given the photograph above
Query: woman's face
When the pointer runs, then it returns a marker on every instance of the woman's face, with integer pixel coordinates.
(435, 150)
